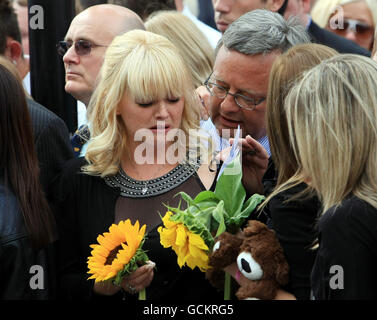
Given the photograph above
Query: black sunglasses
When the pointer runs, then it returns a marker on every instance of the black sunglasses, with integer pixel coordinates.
(355, 25)
(82, 47)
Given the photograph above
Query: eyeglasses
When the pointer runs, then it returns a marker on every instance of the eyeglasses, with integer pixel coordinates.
(356, 26)
(82, 47)
(244, 102)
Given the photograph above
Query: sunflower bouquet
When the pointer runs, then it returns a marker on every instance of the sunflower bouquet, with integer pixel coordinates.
(118, 253)
(191, 232)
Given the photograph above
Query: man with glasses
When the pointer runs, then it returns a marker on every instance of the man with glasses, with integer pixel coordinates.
(239, 82)
(83, 51)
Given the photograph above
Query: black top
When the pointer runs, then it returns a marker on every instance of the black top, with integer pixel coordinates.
(346, 262)
(295, 225)
(86, 206)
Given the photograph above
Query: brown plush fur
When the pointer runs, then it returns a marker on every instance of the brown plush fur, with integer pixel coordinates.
(219, 259)
(261, 242)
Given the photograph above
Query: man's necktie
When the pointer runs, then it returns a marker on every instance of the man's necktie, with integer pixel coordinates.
(81, 136)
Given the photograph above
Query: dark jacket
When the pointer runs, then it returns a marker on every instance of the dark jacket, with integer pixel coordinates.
(25, 273)
(52, 143)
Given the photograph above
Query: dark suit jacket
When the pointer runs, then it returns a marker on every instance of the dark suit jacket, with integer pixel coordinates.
(52, 143)
(330, 39)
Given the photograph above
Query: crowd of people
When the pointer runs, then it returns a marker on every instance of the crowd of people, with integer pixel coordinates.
(302, 91)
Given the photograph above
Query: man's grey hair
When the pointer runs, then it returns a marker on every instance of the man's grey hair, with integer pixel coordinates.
(263, 31)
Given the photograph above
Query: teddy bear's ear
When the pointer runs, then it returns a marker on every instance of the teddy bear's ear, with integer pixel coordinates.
(254, 227)
(282, 268)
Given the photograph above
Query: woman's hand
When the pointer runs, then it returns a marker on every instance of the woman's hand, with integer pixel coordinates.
(284, 295)
(133, 283)
(140, 279)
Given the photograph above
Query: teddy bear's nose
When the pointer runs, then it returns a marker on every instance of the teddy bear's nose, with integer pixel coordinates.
(245, 265)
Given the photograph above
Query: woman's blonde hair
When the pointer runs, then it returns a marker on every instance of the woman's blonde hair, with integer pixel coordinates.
(147, 67)
(374, 51)
(190, 41)
(332, 123)
(287, 69)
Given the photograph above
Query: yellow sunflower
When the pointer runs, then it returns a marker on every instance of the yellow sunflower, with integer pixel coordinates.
(115, 250)
(189, 247)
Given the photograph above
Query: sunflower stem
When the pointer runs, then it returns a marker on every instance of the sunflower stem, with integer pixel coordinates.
(227, 286)
(142, 295)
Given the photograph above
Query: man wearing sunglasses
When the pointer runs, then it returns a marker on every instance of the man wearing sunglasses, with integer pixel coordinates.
(227, 11)
(85, 44)
(83, 51)
(301, 9)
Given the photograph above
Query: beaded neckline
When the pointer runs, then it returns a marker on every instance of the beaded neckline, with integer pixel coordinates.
(132, 188)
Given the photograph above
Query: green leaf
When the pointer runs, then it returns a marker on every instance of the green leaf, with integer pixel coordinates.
(187, 198)
(229, 188)
(248, 207)
(218, 215)
(202, 206)
(200, 227)
(205, 195)
(251, 204)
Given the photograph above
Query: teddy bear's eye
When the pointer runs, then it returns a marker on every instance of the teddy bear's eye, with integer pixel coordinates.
(216, 246)
(249, 267)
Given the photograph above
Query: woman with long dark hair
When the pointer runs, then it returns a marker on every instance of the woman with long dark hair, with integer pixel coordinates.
(26, 224)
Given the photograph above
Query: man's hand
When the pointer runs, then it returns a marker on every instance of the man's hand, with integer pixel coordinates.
(254, 164)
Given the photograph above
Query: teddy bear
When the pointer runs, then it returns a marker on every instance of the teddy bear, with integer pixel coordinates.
(259, 258)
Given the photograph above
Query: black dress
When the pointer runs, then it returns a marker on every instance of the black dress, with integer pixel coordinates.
(295, 224)
(346, 263)
(86, 206)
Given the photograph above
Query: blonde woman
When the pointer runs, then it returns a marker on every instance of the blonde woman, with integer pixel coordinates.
(144, 95)
(292, 214)
(194, 47)
(332, 118)
(351, 19)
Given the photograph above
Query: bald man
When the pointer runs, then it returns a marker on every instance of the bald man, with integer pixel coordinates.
(87, 39)
(83, 51)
